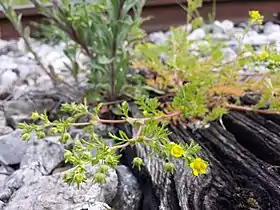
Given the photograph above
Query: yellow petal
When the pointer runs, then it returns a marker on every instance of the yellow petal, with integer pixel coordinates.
(195, 172)
(203, 171)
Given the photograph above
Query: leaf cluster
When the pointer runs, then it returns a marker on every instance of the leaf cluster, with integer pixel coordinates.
(150, 131)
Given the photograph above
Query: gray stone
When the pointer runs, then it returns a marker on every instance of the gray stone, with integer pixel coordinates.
(4, 130)
(20, 110)
(7, 63)
(12, 148)
(270, 27)
(129, 192)
(8, 78)
(229, 54)
(103, 129)
(199, 44)
(27, 189)
(225, 26)
(256, 39)
(95, 206)
(197, 34)
(274, 37)
(220, 36)
(157, 38)
(48, 152)
(24, 176)
(4, 92)
(4, 174)
(7, 46)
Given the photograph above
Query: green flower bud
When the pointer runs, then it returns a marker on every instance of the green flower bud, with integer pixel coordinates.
(78, 145)
(99, 178)
(26, 137)
(104, 169)
(138, 162)
(111, 161)
(169, 167)
(86, 156)
(35, 116)
(145, 113)
(41, 135)
(67, 155)
(64, 138)
(80, 177)
(53, 131)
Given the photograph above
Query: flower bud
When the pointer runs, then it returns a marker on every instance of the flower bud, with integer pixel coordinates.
(53, 131)
(80, 177)
(111, 161)
(99, 178)
(41, 134)
(86, 156)
(104, 169)
(67, 155)
(169, 167)
(138, 162)
(145, 113)
(34, 116)
(26, 137)
(64, 138)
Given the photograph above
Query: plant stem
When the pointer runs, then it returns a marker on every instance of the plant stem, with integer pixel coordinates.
(245, 108)
(123, 121)
(113, 82)
(129, 141)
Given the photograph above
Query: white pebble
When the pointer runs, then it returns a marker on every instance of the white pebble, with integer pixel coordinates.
(8, 78)
(197, 34)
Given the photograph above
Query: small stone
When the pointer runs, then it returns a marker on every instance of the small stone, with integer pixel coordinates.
(270, 27)
(129, 192)
(220, 36)
(95, 206)
(8, 78)
(223, 27)
(12, 148)
(274, 37)
(256, 39)
(4, 92)
(28, 189)
(157, 38)
(3, 46)
(197, 45)
(229, 55)
(4, 130)
(197, 34)
(48, 152)
(227, 26)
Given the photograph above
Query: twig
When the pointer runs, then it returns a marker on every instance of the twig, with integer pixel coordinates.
(249, 109)
(129, 141)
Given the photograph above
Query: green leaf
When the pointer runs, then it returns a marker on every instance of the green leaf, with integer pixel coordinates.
(152, 89)
(94, 96)
(104, 60)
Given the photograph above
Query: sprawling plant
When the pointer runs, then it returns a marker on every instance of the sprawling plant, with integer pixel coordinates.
(106, 33)
(203, 84)
(200, 87)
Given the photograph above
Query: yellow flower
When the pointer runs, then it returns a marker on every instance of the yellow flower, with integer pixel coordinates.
(198, 166)
(255, 17)
(176, 150)
(263, 55)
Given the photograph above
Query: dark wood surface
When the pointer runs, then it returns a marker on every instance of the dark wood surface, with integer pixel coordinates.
(243, 174)
(166, 13)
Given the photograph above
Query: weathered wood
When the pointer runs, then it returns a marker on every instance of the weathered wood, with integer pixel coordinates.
(243, 170)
